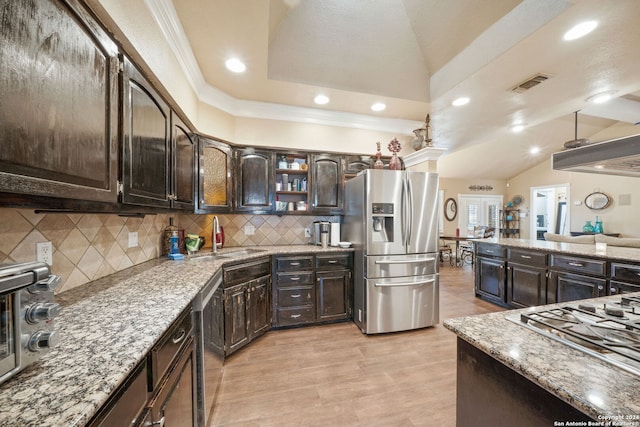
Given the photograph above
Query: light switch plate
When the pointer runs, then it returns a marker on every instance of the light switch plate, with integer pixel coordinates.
(133, 239)
(249, 230)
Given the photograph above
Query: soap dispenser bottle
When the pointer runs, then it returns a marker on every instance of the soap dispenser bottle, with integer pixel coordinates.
(166, 236)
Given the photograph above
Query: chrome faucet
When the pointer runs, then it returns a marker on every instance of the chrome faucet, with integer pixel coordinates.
(216, 231)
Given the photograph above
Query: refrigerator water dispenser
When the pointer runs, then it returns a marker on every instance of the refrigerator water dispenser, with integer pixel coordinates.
(382, 222)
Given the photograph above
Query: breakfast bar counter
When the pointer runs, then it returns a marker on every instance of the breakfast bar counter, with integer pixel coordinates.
(598, 390)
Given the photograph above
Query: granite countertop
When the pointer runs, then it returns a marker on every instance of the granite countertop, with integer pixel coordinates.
(593, 386)
(106, 328)
(611, 252)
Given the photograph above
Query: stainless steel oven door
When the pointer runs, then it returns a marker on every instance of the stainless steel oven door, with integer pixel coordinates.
(7, 334)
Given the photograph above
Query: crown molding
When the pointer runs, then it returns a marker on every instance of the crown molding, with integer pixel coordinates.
(167, 19)
(422, 155)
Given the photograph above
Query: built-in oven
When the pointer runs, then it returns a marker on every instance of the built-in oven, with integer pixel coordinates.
(27, 310)
(208, 312)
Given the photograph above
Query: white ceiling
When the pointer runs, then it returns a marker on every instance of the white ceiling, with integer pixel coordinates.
(417, 56)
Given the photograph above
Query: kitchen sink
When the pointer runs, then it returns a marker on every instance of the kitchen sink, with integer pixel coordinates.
(209, 256)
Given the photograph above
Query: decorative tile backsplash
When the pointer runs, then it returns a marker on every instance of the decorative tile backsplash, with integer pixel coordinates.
(89, 246)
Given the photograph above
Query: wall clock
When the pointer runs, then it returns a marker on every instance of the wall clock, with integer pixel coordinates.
(450, 209)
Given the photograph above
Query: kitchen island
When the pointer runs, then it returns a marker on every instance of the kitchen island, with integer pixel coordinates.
(107, 327)
(511, 375)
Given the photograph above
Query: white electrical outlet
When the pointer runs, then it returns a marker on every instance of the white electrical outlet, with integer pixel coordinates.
(249, 230)
(307, 232)
(133, 239)
(44, 252)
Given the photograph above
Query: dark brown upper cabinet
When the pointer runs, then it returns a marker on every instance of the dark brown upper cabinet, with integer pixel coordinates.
(215, 184)
(58, 108)
(254, 182)
(326, 184)
(145, 138)
(184, 149)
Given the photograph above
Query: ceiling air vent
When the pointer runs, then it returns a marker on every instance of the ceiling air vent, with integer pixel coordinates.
(531, 82)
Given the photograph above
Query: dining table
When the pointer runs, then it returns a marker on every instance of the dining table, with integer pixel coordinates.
(458, 239)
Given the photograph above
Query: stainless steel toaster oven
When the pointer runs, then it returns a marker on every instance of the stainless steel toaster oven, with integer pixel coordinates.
(27, 310)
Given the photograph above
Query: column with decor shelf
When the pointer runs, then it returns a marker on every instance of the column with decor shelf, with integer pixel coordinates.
(510, 222)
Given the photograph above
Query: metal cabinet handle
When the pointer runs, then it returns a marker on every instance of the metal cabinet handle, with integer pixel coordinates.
(155, 423)
(332, 261)
(600, 287)
(294, 279)
(488, 251)
(525, 256)
(295, 316)
(576, 264)
(179, 336)
(294, 263)
(296, 296)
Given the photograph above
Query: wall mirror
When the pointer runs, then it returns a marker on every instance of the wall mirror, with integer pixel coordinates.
(450, 209)
(597, 201)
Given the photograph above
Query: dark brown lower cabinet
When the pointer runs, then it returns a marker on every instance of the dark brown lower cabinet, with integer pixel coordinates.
(490, 279)
(246, 301)
(332, 295)
(564, 287)
(174, 402)
(526, 285)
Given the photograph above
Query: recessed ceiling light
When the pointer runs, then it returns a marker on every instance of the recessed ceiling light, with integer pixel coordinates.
(519, 127)
(534, 150)
(378, 106)
(602, 97)
(321, 99)
(460, 101)
(580, 30)
(235, 65)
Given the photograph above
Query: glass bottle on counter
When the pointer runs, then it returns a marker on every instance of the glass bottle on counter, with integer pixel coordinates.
(587, 228)
(597, 228)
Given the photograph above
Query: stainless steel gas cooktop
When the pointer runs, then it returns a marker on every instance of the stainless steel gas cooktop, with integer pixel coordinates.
(608, 329)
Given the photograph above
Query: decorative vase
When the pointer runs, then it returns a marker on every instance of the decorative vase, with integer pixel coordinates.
(378, 163)
(394, 147)
(597, 228)
(587, 228)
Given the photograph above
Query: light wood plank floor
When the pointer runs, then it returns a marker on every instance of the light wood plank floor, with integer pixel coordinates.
(333, 375)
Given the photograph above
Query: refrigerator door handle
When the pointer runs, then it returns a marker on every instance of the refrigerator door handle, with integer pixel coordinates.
(404, 213)
(409, 211)
(392, 285)
(405, 261)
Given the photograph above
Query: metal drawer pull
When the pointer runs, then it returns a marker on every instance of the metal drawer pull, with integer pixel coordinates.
(576, 264)
(294, 263)
(409, 261)
(525, 256)
(488, 251)
(390, 285)
(155, 423)
(294, 279)
(332, 261)
(295, 316)
(179, 336)
(296, 296)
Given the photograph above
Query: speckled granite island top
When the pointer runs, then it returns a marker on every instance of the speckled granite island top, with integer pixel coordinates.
(106, 328)
(589, 250)
(595, 387)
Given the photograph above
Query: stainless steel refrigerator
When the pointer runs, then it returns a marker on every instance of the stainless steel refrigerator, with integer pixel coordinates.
(391, 219)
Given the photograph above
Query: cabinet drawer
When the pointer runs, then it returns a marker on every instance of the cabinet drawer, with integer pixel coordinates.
(483, 249)
(294, 279)
(295, 316)
(617, 288)
(581, 265)
(294, 263)
(245, 271)
(295, 297)
(527, 257)
(169, 345)
(626, 272)
(340, 261)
